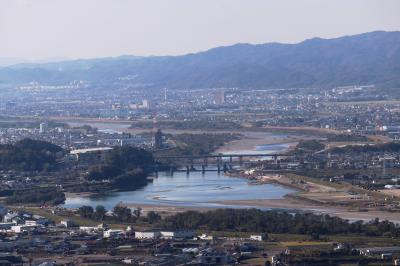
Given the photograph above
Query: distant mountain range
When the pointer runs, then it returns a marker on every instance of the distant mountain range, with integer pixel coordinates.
(369, 58)
(10, 61)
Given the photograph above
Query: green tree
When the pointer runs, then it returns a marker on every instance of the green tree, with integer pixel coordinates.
(86, 211)
(153, 217)
(137, 212)
(122, 213)
(100, 212)
(129, 158)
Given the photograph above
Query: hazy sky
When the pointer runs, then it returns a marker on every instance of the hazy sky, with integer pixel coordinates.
(93, 28)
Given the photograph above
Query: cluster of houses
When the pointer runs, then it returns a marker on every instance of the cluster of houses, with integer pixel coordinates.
(362, 161)
(150, 234)
(19, 222)
(24, 234)
(381, 252)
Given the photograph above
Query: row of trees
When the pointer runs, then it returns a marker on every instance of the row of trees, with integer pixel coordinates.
(120, 213)
(98, 214)
(37, 196)
(248, 220)
(254, 220)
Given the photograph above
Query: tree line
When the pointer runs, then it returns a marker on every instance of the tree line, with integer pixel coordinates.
(38, 196)
(254, 220)
(120, 213)
(250, 220)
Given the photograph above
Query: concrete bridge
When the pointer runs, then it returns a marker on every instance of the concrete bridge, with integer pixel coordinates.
(220, 156)
(217, 160)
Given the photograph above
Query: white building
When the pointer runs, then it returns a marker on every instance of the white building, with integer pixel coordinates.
(67, 223)
(9, 217)
(257, 237)
(147, 234)
(22, 228)
(206, 237)
(177, 234)
(112, 233)
(30, 223)
(145, 104)
(43, 128)
(89, 154)
(89, 229)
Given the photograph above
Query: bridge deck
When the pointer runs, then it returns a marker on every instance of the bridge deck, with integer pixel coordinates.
(220, 156)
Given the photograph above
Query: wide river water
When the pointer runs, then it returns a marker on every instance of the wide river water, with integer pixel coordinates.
(193, 190)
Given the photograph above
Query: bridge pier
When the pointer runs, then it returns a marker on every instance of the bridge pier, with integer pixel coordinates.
(225, 168)
(224, 162)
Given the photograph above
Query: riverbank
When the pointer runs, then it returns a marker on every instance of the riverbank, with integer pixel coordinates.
(317, 197)
(287, 204)
(295, 204)
(254, 141)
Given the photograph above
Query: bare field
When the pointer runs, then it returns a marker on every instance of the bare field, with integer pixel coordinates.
(391, 192)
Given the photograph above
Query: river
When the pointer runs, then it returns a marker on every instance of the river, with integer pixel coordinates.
(196, 189)
(193, 190)
(190, 190)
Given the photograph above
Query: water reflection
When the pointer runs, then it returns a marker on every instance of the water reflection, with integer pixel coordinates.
(195, 189)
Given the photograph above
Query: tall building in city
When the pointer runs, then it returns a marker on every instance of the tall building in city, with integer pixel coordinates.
(145, 104)
(43, 128)
(219, 97)
(165, 95)
(158, 140)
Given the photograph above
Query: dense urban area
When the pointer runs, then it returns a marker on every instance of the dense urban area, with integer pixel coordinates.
(341, 159)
